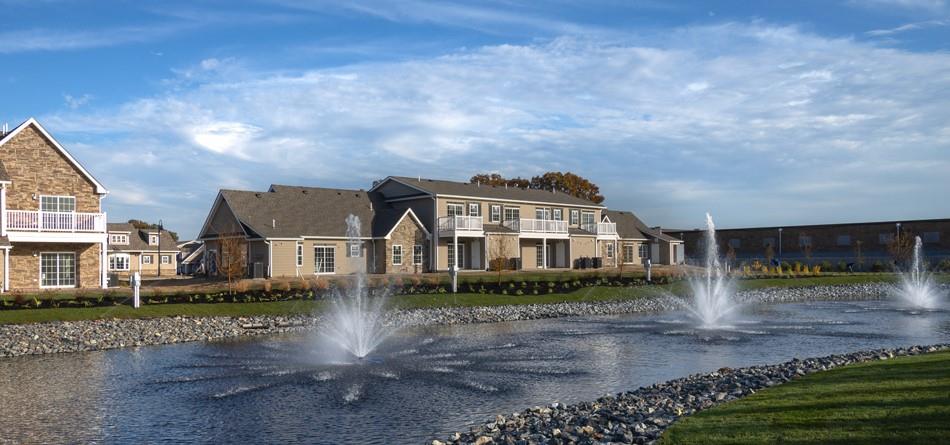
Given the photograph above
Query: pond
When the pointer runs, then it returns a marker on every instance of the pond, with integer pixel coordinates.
(421, 384)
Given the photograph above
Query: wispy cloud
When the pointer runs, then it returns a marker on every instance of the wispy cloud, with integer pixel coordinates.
(908, 27)
(734, 116)
(45, 39)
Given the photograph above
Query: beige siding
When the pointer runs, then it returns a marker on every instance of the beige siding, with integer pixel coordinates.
(526, 210)
(136, 264)
(284, 254)
(582, 246)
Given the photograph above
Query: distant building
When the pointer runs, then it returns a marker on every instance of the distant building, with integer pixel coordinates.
(823, 242)
(141, 250)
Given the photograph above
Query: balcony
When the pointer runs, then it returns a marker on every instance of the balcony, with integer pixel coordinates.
(60, 222)
(538, 227)
(600, 229)
(463, 225)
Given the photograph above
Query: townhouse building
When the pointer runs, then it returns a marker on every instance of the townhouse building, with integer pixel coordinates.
(52, 228)
(414, 225)
(149, 252)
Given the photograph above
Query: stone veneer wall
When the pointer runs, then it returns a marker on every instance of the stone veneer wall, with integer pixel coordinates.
(25, 268)
(36, 167)
(407, 234)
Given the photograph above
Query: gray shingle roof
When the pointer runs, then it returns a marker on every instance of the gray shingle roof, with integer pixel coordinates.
(442, 187)
(631, 227)
(138, 239)
(291, 211)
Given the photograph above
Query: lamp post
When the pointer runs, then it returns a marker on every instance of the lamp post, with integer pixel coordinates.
(780, 245)
(160, 227)
(898, 234)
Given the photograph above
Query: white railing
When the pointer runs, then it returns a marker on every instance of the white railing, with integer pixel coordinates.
(33, 221)
(450, 223)
(600, 228)
(525, 225)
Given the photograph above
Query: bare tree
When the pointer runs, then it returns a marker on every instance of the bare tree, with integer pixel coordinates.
(231, 258)
(769, 254)
(499, 254)
(901, 247)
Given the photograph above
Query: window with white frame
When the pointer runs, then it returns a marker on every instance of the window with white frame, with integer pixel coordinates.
(542, 213)
(575, 217)
(299, 254)
(397, 255)
(152, 239)
(166, 259)
(417, 254)
(146, 259)
(495, 213)
(512, 213)
(539, 255)
(57, 203)
(324, 259)
(455, 209)
(644, 251)
(119, 261)
(587, 218)
(58, 269)
(610, 250)
(119, 239)
(558, 213)
(453, 256)
(474, 209)
(355, 250)
(628, 253)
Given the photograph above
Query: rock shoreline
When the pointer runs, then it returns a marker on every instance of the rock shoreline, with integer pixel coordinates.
(640, 416)
(91, 335)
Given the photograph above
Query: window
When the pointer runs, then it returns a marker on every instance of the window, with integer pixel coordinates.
(166, 259)
(539, 255)
(610, 250)
(930, 237)
(644, 251)
(146, 259)
(323, 259)
(844, 240)
(628, 253)
(474, 209)
(804, 241)
(417, 254)
(767, 242)
(558, 214)
(575, 217)
(542, 213)
(299, 254)
(116, 238)
(453, 256)
(354, 250)
(455, 209)
(885, 238)
(587, 218)
(58, 269)
(152, 239)
(57, 204)
(495, 215)
(512, 213)
(735, 243)
(119, 261)
(397, 255)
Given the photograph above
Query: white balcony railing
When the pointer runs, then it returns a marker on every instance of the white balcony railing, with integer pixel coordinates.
(460, 223)
(600, 228)
(524, 225)
(33, 221)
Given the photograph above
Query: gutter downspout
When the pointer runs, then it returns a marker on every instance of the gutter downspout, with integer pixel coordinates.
(270, 258)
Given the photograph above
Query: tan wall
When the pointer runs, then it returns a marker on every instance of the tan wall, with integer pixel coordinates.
(527, 210)
(136, 265)
(502, 246)
(443, 252)
(25, 268)
(609, 262)
(36, 167)
(285, 257)
(284, 254)
(529, 259)
(3, 254)
(407, 234)
(636, 252)
(582, 246)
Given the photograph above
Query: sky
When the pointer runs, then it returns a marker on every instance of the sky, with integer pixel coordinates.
(761, 113)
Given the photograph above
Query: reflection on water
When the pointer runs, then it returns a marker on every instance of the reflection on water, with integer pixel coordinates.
(421, 384)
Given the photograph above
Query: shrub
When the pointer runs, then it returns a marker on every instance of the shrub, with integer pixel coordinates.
(241, 286)
(282, 285)
(817, 270)
(267, 286)
(415, 280)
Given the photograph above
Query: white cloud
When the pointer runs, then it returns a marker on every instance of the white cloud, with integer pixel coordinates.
(74, 102)
(908, 27)
(787, 108)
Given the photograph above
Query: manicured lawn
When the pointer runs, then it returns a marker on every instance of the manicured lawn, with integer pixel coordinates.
(160, 310)
(899, 401)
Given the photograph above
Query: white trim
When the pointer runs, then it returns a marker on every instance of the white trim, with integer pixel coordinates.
(390, 178)
(323, 246)
(393, 254)
(414, 218)
(57, 237)
(422, 254)
(100, 189)
(128, 262)
(214, 209)
(40, 270)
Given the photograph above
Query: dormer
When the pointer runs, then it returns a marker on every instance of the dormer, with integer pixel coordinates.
(119, 238)
(153, 238)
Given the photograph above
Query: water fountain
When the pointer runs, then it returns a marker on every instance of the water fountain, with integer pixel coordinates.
(712, 305)
(917, 288)
(355, 320)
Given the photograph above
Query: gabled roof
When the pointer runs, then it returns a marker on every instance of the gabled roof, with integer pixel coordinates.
(462, 189)
(100, 189)
(629, 226)
(138, 239)
(293, 212)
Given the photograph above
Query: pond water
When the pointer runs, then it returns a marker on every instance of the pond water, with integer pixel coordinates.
(421, 384)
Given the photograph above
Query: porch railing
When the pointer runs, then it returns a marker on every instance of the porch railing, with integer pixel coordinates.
(524, 225)
(468, 223)
(600, 228)
(37, 221)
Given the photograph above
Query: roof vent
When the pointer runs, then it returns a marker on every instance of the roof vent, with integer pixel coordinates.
(273, 223)
(257, 195)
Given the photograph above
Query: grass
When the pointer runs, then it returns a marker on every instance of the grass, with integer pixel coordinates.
(597, 293)
(904, 400)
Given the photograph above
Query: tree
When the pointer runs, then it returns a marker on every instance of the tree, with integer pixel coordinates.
(901, 247)
(769, 254)
(499, 254)
(567, 183)
(139, 224)
(858, 256)
(231, 259)
(730, 257)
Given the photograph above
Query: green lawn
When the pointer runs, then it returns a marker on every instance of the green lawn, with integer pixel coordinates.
(899, 401)
(599, 293)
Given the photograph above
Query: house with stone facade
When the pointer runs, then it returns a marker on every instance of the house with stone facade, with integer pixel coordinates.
(52, 228)
(147, 251)
(413, 225)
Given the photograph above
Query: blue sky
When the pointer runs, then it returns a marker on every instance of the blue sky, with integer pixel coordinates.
(772, 113)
